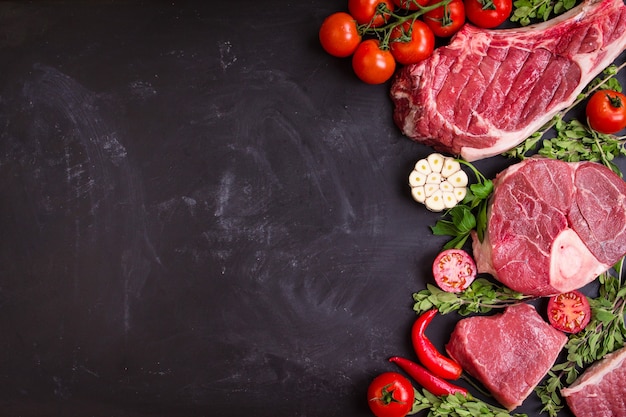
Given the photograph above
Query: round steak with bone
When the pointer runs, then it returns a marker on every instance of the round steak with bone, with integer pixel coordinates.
(553, 226)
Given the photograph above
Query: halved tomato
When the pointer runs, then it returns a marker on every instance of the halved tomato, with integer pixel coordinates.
(454, 270)
(569, 312)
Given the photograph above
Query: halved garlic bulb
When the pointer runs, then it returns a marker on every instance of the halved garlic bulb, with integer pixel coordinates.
(438, 182)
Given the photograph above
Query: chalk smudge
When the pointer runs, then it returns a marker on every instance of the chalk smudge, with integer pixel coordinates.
(99, 178)
(227, 58)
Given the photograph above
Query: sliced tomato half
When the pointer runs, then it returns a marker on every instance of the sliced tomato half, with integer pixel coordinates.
(569, 312)
(454, 270)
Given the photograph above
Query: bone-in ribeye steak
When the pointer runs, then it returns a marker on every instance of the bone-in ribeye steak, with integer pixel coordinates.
(509, 353)
(601, 390)
(488, 90)
(553, 226)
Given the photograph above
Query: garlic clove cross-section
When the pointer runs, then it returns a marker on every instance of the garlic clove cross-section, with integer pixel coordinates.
(438, 182)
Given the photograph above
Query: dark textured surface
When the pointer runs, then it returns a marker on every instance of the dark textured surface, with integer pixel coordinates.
(201, 214)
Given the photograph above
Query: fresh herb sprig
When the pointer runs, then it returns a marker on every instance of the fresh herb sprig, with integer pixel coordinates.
(604, 334)
(480, 297)
(470, 214)
(527, 11)
(456, 405)
(575, 141)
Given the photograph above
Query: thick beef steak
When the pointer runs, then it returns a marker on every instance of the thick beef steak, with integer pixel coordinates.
(509, 352)
(601, 390)
(553, 226)
(488, 90)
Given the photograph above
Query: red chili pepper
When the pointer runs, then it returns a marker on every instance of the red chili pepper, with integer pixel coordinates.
(427, 354)
(422, 376)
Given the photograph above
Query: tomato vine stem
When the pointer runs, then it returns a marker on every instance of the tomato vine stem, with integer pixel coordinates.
(383, 33)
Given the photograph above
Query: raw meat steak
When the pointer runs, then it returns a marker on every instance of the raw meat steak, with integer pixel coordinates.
(488, 90)
(601, 390)
(509, 352)
(553, 226)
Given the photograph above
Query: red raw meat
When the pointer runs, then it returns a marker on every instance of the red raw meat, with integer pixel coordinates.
(488, 90)
(509, 352)
(601, 390)
(553, 226)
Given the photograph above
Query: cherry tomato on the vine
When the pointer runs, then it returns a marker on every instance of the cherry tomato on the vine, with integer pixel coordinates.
(339, 35)
(446, 20)
(390, 394)
(488, 13)
(410, 4)
(419, 45)
(367, 11)
(606, 111)
(569, 312)
(372, 64)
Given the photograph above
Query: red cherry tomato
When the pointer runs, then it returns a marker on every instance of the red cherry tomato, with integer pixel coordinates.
(410, 4)
(368, 11)
(339, 35)
(372, 64)
(419, 45)
(446, 20)
(454, 270)
(488, 13)
(390, 394)
(569, 312)
(606, 111)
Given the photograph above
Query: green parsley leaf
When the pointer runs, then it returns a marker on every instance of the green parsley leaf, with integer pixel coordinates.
(528, 11)
(456, 405)
(463, 218)
(470, 214)
(481, 296)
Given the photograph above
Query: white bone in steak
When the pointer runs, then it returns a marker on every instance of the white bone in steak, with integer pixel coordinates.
(488, 90)
(509, 352)
(553, 226)
(601, 390)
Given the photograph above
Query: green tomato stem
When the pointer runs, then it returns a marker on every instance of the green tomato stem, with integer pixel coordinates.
(383, 33)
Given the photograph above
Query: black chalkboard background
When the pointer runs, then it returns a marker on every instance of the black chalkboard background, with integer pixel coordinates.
(201, 214)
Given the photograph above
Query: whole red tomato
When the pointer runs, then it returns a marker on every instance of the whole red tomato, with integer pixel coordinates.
(372, 64)
(411, 43)
(446, 20)
(606, 111)
(488, 13)
(410, 4)
(339, 35)
(390, 395)
(367, 11)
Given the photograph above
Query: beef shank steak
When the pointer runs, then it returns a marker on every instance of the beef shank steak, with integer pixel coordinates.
(508, 352)
(488, 90)
(553, 226)
(601, 390)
